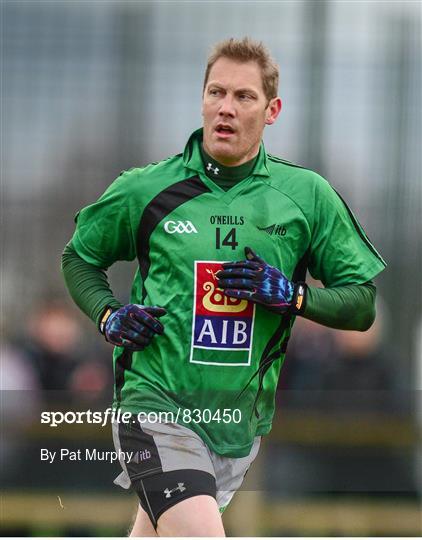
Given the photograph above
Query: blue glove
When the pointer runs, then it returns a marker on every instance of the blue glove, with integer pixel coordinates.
(255, 280)
(132, 326)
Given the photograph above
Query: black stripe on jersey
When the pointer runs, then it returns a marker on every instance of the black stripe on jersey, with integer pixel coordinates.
(165, 159)
(299, 273)
(161, 205)
(276, 159)
(355, 222)
(123, 363)
(359, 229)
(267, 359)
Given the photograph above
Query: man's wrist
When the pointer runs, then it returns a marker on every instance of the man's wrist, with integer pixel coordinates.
(299, 298)
(105, 315)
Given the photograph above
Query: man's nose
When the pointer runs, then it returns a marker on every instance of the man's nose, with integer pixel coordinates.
(227, 107)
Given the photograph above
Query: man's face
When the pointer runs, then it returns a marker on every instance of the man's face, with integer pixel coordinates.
(235, 111)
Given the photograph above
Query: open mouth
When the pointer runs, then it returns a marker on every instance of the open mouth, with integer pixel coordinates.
(223, 129)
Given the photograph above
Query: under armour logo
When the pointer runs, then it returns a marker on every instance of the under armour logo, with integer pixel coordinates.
(180, 227)
(215, 170)
(180, 487)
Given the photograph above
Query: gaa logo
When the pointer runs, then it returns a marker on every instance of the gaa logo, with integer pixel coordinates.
(222, 327)
(180, 227)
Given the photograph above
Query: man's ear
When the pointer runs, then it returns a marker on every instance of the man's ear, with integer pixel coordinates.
(273, 110)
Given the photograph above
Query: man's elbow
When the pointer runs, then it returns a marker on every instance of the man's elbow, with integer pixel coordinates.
(366, 322)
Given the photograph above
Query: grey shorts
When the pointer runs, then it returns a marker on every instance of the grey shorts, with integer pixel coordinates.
(171, 455)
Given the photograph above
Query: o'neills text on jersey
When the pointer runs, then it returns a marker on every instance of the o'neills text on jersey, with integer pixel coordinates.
(227, 220)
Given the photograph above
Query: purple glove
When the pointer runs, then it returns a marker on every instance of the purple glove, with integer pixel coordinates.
(132, 326)
(255, 280)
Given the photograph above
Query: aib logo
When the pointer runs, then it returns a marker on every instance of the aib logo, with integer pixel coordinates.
(222, 327)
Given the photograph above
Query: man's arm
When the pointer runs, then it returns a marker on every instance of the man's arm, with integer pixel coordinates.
(131, 326)
(349, 307)
(87, 284)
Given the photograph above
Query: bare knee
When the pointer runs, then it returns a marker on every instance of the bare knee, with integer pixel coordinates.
(142, 526)
(196, 516)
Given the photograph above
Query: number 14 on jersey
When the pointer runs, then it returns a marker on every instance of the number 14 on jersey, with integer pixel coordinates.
(229, 240)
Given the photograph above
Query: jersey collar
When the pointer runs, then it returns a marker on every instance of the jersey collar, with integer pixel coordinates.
(192, 158)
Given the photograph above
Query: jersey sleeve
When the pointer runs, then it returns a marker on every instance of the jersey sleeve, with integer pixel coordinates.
(340, 251)
(104, 230)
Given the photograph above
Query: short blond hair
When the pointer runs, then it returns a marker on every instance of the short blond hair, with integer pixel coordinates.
(247, 50)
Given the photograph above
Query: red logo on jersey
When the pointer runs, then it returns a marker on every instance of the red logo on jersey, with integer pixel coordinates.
(210, 300)
(222, 327)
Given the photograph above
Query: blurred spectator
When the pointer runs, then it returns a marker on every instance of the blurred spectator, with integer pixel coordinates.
(16, 372)
(20, 406)
(336, 368)
(360, 377)
(311, 350)
(361, 363)
(51, 345)
(57, 354)
(342, 383)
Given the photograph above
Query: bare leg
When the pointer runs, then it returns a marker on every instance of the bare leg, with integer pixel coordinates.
(142, 526)
(196, 516)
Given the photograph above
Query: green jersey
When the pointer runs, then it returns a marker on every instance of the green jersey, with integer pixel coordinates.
(216, 366)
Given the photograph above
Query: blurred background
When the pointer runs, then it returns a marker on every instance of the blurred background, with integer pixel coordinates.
(92, 88)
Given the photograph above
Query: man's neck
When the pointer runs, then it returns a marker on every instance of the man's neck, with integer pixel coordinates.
(216, 170)
(227, 162)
